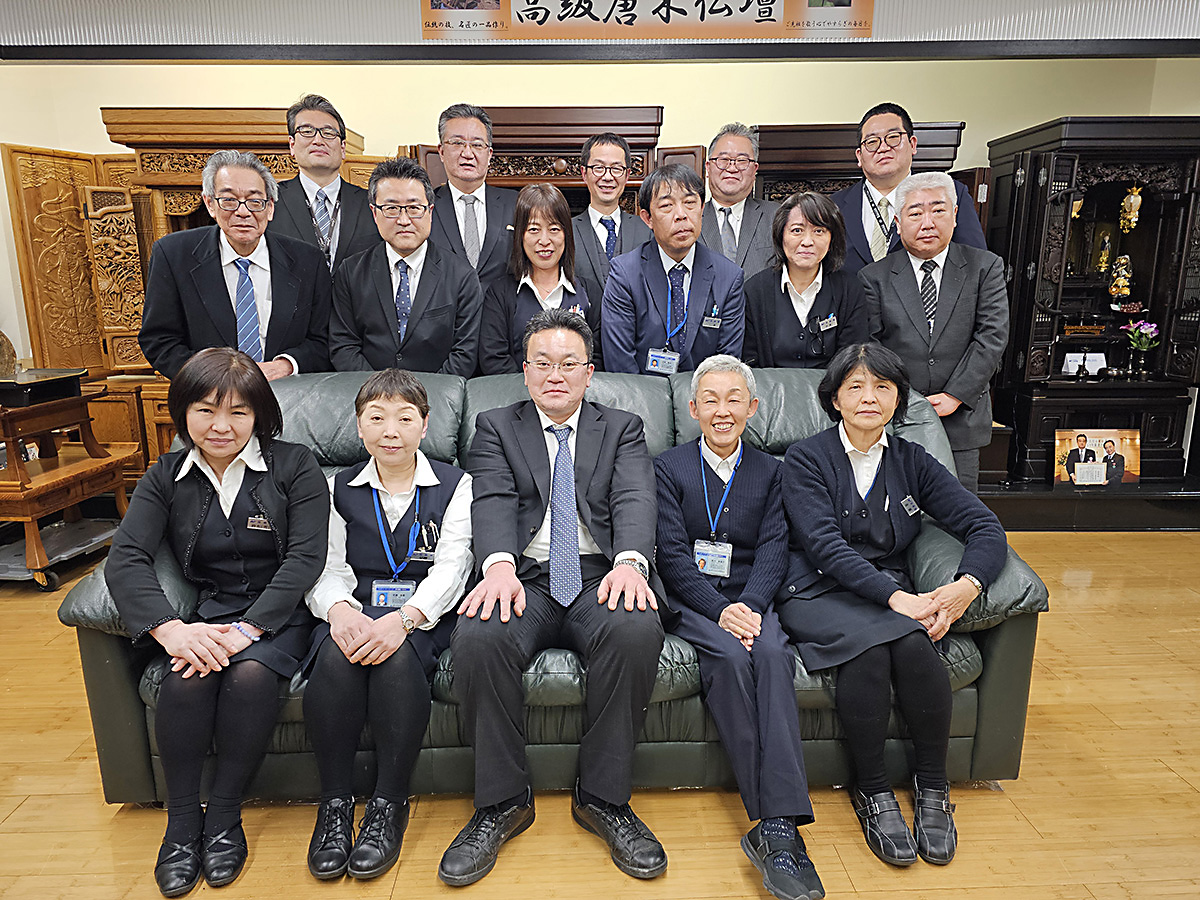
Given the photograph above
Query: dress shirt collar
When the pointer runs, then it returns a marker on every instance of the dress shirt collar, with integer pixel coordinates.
(562, 283)
(259, 255)
(688, 262)
(251, 457)
(735, 210)
(457, 195)
(595, 216)
(809, 294)
(940, 259)
(573, 421)
(423, 477)
(853, 452)
(311, 188)
(415, 259)
(723, 467)
(891, 197)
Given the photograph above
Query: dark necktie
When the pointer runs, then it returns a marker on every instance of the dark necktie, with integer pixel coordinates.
(728, 240)
(403, 298)
(249, 341)
(565, 579)
(929, 291)
(610, 242)
(678, 298)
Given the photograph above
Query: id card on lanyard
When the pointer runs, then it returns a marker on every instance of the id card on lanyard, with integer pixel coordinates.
(393, 593)
(664, 360)
(713, 557)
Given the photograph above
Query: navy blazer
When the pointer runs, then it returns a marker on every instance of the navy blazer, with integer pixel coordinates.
(819, 492)
(496, 245)
(754, 524)
(858, 246)
(840, 296)
(590, 258)
(508, 307)
(188, 306)
(634, 312)
(356, 227)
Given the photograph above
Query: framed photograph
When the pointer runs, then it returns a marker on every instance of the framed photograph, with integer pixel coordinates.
(1097, 459)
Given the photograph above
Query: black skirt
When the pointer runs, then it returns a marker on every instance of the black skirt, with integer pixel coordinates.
(428, 644)
(283, 652)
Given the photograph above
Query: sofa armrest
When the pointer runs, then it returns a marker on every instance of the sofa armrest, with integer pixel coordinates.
(1003, 692)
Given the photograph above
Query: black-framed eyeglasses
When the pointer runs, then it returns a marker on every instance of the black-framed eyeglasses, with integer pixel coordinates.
(568, 368)
(599, 171)
(459, 145)
(308, 132)
(737, 163)
(232, 204)
(414, 211)
(892, 140)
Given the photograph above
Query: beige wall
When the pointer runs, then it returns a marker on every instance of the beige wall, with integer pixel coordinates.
(58, 105)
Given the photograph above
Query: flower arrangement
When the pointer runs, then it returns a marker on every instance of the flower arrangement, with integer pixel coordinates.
(1142, 335)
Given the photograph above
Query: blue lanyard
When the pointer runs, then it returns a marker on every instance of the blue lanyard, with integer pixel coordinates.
(412, 533)
(687, 301)
(712, 523)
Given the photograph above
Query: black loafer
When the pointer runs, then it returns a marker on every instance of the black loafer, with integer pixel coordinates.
(332, 838)
(633, 847)
(224, 855)
(762, 851)
(178, 867)
(380, 834)
(933, 825)
(472, 854)
(884, 827)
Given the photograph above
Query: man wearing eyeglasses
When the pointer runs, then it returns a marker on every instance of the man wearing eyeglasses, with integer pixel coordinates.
(407, 302)
(735, 224)
(316, 206)
(471, 219)
(228, 285)
(886, 144)
(604, 231)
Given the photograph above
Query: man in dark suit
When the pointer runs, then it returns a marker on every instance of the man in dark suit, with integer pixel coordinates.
(672, 302)
(603, 231)
(563, 520)
(406, 302)
(228, 285)
(735, 224)
(886, 144)
(470, 219)
(943, 308)
(316, 206)
(1114, 464)
(1081, 452)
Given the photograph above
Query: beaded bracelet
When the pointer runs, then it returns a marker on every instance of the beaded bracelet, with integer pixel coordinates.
(252, 637)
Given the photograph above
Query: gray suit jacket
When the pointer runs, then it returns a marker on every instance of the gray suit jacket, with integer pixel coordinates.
(590, 259)
(755, 249)
(970, 332)
(356, 228)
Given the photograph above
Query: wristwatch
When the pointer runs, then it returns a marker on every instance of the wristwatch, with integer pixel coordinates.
(629, 561)
(975, 581)
(406, 620)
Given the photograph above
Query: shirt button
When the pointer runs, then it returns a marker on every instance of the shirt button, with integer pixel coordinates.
(845, 512)
(726, 509)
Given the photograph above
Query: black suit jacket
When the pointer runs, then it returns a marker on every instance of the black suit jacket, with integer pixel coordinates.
(188, 306)
(1114, 469)
(443, 327)
(356, 227)
(496, 248)
(590, 259)
(1073, 459)
(755, 248)
(840, 296)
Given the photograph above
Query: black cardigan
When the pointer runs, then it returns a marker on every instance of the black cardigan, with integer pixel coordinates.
(508, 306)
(840, 294)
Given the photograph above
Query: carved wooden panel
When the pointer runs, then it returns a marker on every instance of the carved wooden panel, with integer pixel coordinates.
(46, 199)
(116, 169)
(116, 275)
(357, 169)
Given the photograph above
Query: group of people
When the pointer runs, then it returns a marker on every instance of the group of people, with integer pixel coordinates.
(315, 273)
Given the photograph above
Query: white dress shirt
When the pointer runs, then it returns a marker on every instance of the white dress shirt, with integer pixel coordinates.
(554, 299)
(260, 277)
(868, 217)
(865, 465)
(228, 485)
(446, 581)
(415, 261)
(736, 211)
(940, 259)
(597, 226)
(723, 467)
(802, 301)
(480, 211)
(331, 193)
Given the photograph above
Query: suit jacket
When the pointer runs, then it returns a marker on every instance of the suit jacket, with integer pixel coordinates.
(1114, 469)
(507, 308)
(970, 332)
(769, 337)
(590, 258)
(443, 326)
(858, 246)
(634, 311)
(1073, 458)
(496, 247)
(188, 306)
(356, 227)
(755, 248)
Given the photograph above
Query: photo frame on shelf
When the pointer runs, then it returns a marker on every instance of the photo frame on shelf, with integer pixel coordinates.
(1097, 458)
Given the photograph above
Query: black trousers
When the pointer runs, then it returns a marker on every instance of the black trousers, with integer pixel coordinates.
(752, 698)
(620, 651)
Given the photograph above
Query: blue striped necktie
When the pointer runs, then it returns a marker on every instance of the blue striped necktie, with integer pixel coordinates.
(246, 311)
(566, 581)
(322, 215)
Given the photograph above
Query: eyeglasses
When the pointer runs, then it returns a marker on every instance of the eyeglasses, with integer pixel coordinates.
(458, 145)
(892, 140)
(414, 211)
(232, 204)
(599, 171)
(308, 132)
(737, 163)
(568, 368)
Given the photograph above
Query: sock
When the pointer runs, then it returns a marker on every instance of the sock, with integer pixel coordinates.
(781, 829)
(522, 799)
(589, 799)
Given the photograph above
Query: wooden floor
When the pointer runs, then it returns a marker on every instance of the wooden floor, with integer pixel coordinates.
(1108, 805)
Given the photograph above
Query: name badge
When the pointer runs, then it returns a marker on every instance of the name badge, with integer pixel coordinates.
(713, 558)
(710, 322)
(258, 523)
(662, 362)
(391, 594)
(830, 321)
(910, 505)
(422, 556)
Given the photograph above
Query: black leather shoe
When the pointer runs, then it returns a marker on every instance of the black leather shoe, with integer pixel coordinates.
(933, 825)
(380, 834)
(178, 867)
(762, 851)
(224, 855)
(472, 854)
(633, 847)
(884, 827)
(332, 838)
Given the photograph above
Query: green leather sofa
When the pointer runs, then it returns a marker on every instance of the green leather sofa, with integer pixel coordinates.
(989, 660)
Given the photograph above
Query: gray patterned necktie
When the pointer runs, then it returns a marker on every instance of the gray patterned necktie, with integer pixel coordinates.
(929, 291)
(470, 230)
(566, 581)
(728, 240)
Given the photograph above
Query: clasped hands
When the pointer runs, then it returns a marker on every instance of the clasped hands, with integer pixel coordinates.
(365, 640)
(938, 609)
(197, 648)
(742, 622)
(501, 588)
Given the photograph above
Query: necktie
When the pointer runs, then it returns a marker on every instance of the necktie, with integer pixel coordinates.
(403, 298)
(246, 311)
(728, 240)
(470, 230)
(565, 579)
(880, 239)
(322, 214)
(610, 242)
(929, 291)
(678, 298)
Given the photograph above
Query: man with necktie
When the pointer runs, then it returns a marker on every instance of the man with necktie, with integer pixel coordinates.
(564, 522)
(735, 224)
(228, 285)
(603, 230)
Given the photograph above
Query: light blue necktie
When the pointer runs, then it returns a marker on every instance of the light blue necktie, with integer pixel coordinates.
(322, 215)
(610, 242)
(403, 298)
(566, 582)
(244, 308)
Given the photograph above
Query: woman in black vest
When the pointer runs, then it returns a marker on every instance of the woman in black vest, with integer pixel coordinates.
(803, 310)
(399, 558)
(854, 497)
(246, 516)
(541, 276)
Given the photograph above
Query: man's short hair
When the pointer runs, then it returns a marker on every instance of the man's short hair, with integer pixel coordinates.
(400, 167)
(607, 137)
(737, 129)
(818, 210)
(877, 359)
(926, 181)
(392, 384)
(464, 111)
(884, 109)
(236, 159)
(723, 362)
(558, 319)
(669, 176)
(1081, 435)
(1110, 441)
(314, 103)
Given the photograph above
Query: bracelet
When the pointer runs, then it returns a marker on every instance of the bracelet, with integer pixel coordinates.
(253, 637)
(628, 561)
(975, 581)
